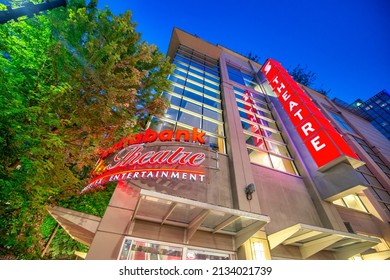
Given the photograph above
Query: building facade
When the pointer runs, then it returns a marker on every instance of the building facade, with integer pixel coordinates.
(376, 108)
(256, 181)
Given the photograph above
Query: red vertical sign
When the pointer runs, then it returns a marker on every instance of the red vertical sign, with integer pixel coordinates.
(259, 142)
(322, 140)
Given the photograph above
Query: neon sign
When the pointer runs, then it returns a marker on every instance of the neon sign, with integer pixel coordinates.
(152, 155)
(322, 140)
(252, 117)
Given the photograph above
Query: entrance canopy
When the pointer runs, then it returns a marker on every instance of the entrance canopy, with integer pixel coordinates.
(80, 226)
(312, 239)
(195, 216)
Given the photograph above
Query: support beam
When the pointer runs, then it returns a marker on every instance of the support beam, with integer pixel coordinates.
(173, 206)
(301, 237)
(351, 250)
(225, 223)
(195, 223)
(247, 232)
(313, 247)
(383, 255)
(279, 237)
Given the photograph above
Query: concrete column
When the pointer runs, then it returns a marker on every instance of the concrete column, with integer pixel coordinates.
(240, 166)
(115, 223)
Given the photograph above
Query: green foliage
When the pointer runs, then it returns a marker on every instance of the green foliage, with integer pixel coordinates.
(302, 75)
(71, 80)
(306, 77)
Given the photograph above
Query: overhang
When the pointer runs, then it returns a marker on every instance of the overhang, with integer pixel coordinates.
(80, 226)
(312, 239)
(198, 216)
(382, 255)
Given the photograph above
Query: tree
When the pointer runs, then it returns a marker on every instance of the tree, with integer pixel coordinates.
(73, 82)
(306, 77)
(302, 75)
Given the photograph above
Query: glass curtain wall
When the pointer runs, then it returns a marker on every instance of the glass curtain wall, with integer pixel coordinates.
(195, 98)
(265, 144)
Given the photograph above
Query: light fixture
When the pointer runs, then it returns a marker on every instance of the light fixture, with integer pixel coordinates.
(249, 190)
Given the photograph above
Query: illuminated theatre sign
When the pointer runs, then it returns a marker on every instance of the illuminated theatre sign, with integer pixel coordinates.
(324, 143)
(152, 156)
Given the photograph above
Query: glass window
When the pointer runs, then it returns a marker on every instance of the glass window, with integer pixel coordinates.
(190, 106)
(193, 95)
(189, 119)
(139, 250)
(180, 72)
(216, 143)
(159, 125)
(354, 202)
(211, 85)
(205, 255)
(177, 79)
(283, 164)
(216, 115)
(212, 127)
(194, 86)
(277, 149)
(171, 113)
(341, 122)
(178, 89)
(258, 251)
(211, 93)
(235, 75)
(173, 99)
(196, 78)
(182, 59)
(259, 157)
(383, 195)
(372, 180)
(255, 141)
(212, 103)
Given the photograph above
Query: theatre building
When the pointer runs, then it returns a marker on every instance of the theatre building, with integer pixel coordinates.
(245, 164)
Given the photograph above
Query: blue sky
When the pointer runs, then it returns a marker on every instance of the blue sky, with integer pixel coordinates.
(345, 42)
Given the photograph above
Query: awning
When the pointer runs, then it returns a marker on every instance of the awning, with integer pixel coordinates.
(312, 239)
(194, 215)
(383, 255)
(80, 226)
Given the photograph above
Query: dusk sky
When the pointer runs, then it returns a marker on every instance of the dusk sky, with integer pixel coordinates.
(346, 43)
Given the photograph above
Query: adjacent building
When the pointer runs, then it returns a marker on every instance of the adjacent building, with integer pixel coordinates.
(245, 164)
(376, 109)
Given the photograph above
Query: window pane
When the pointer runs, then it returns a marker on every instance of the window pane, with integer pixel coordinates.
(177, 79)
(212, 114)
(189, 119)
(205, 255)
(159, 125)
(353, 201)
(211, 93)
(283, 164)
(193, 96)
(212, 127)
(171, 113)
(384, 195)
(150, 251)
(273, 135)
(259, 157)
(212, 103)
(194, 86)
(216, 143)
(255, 141)
(191, 106)
(372, 180)
(278, 149)
(173, 99)
(177, 89)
